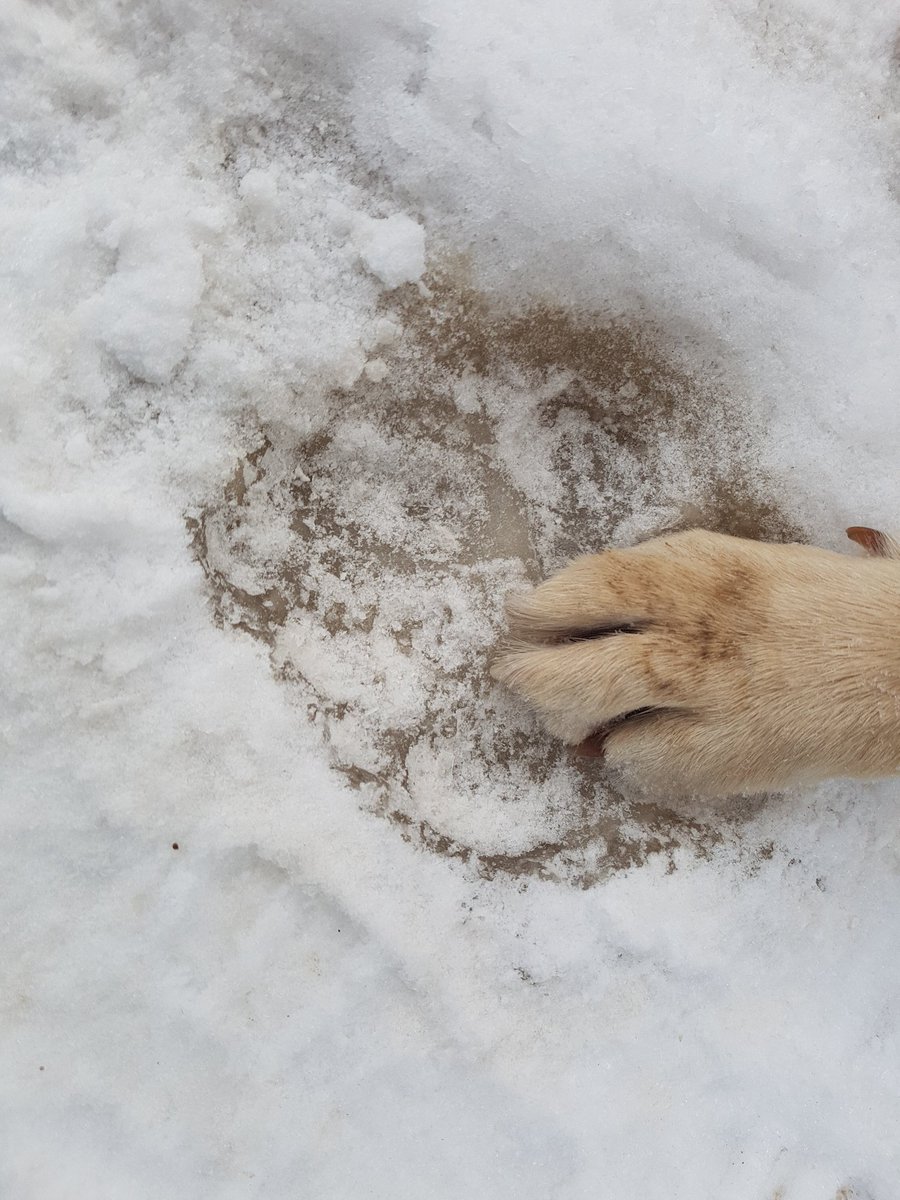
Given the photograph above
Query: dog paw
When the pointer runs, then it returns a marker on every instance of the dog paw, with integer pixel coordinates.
(699, 662)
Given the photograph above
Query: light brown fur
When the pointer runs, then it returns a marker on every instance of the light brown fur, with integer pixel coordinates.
(762, 666)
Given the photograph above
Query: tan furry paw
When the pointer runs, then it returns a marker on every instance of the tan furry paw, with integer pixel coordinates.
(711, 664)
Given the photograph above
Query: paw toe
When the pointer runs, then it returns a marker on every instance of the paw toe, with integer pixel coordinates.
(578, 687)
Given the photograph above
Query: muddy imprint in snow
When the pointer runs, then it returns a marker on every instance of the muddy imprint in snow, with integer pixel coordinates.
(478, 450)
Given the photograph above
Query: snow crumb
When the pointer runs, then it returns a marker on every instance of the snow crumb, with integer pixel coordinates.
(259, 190)
(387, 332)
(393, 248)
(144, 312)
(376, 369)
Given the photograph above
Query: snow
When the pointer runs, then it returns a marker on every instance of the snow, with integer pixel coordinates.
(324, 325)
(393, 248)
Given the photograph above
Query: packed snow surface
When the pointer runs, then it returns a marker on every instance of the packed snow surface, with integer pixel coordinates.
(325, 325)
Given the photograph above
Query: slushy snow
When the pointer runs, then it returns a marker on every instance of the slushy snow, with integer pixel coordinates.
(324, 326)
